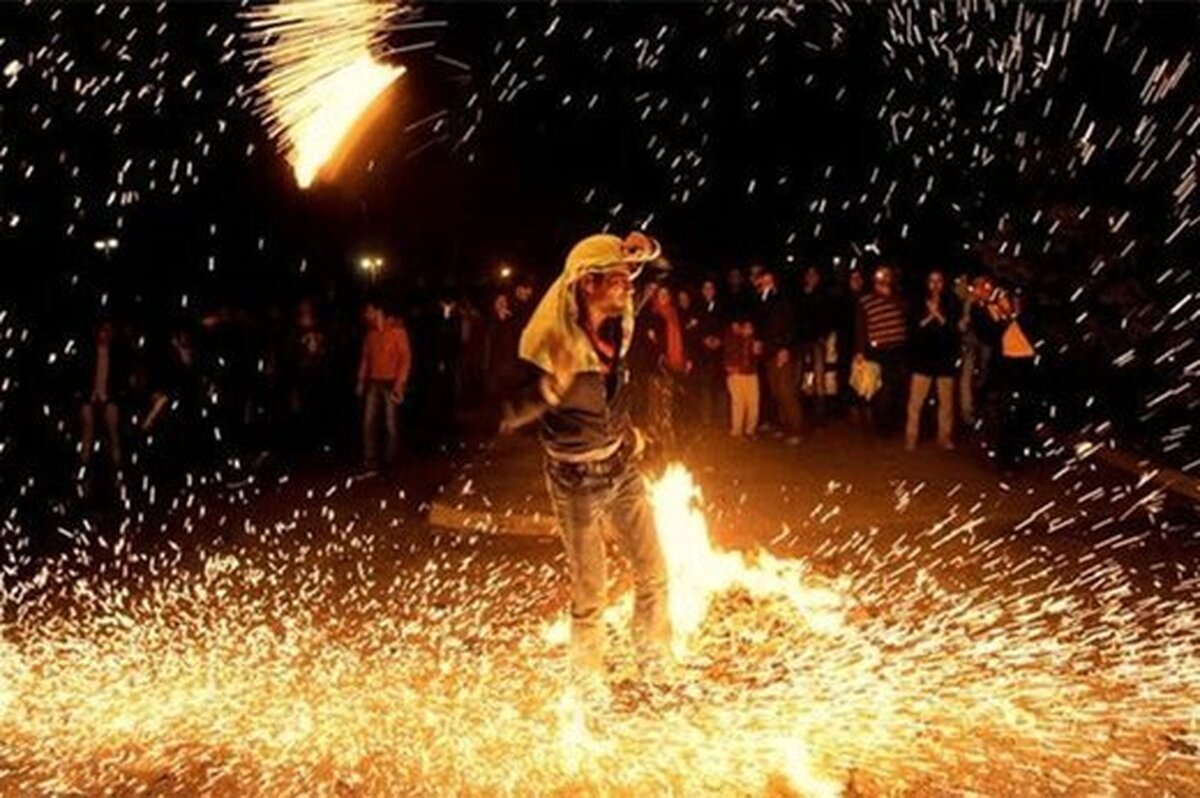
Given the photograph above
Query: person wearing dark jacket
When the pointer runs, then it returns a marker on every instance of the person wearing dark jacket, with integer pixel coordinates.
(933, 358)
(814, 323)
(173, 420)
(500, 348)
(103, 385)
(708, 362)
(844, 309)
(578, 394)
(661, 336)
(776, 327)
(739, 298)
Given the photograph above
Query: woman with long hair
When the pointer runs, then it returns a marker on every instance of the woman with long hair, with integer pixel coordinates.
(667, 363)
(933, 358)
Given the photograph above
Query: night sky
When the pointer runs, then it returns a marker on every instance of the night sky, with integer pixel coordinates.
(1053, 144)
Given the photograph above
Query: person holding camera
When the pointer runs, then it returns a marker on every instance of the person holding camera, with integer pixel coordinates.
(1010, 327)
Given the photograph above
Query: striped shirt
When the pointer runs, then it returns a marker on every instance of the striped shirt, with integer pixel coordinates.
(881, 323)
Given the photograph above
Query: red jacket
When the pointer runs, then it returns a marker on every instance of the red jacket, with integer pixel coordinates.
(740, 357)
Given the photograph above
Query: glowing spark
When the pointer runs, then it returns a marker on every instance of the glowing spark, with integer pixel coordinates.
(321, 75)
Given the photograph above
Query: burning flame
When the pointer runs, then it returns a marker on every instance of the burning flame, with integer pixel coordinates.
(324, 115)
(698, 572)
(321, 75)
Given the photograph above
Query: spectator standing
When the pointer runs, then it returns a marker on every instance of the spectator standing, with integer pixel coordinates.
(447, 340)
(739, 298)
(777, 330)
(741, 356)
(814, 324)
(881, 336)
(1011, 328)
(382, 379)
(686, 409)
(667, 361)
(500, 349)
(844, 309)
(173, 420)
(471, 367)
(104, 384)
(709, 367)
(975, 354)
(308, 371)
(933, 359)
(522, 304)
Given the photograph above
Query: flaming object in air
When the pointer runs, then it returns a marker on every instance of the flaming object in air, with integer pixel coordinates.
(321, 74)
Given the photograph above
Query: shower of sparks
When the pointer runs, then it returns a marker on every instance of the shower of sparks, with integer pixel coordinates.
(310, 673)
(320, 75)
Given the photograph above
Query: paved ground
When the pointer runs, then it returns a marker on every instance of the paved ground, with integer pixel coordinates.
(842, 481)
(328, 630)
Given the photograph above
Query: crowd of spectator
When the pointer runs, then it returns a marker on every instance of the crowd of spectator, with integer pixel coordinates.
(755, 354)
(780, 357)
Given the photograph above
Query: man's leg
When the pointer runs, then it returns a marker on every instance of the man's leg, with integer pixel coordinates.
(87, 432)
(966, 383)
(112, 426)
(945, 412)
(372, 407)
(708, 398)
(391, 418)
(894, 382)
(736, 407)
(579, 523)
(785, 397)
(634, 522)
(818, 369)
(753, 399)
(918, 392)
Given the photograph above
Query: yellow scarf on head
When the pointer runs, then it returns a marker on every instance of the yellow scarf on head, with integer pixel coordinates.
(554, 340)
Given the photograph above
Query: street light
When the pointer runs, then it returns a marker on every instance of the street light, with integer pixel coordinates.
(106, 246)
(506, 271)
(371, 264)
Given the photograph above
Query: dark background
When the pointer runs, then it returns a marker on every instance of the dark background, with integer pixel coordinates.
(949, 135)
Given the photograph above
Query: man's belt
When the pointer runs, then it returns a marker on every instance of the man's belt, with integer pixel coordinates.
(591, 456)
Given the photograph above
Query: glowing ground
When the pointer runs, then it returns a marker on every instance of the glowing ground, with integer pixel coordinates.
(931, 664)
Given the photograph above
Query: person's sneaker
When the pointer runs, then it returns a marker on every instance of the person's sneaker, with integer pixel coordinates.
(910, 446)
(794, 440)
(947, 446)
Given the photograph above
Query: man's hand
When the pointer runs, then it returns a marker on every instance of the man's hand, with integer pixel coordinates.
(397, 395)
(782, 357)
(639, 443)
(508, 420)
(360, 390)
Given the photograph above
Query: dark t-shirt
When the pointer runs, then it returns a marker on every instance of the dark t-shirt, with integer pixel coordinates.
(593, 414)
(934, 348)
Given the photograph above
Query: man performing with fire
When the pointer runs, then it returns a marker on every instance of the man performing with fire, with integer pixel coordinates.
(579, 394)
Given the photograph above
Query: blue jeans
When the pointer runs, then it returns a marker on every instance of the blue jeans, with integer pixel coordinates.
(583, 496)
(378, 402)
